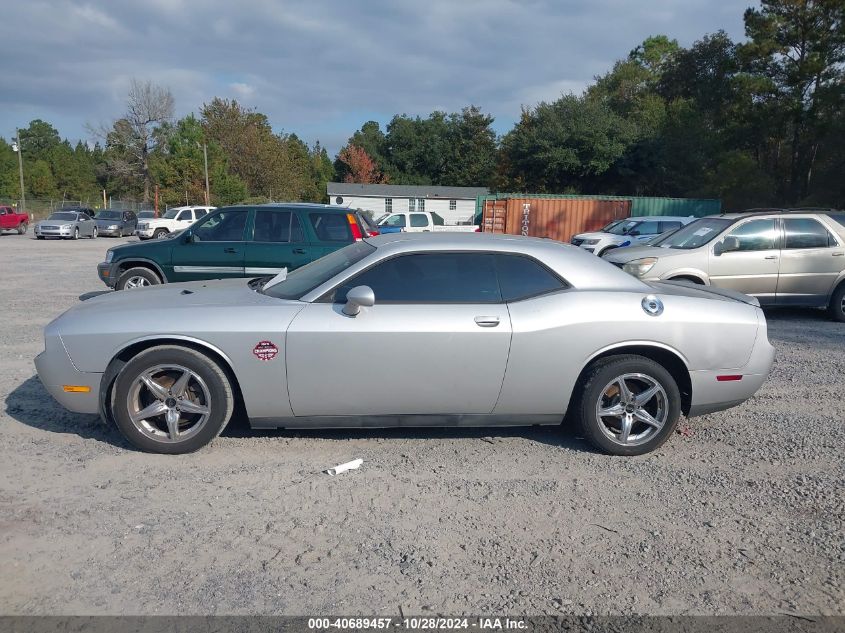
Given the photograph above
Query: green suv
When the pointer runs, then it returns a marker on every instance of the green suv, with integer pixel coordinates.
(241, 241)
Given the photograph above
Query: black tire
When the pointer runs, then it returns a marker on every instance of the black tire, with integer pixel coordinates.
(837, 304)
(602, 377)
(39, 237)
(75, 233)
(602, 252)
(220, 406)
(22, 227)
(94, 233)
(160, 234)
(134, 274)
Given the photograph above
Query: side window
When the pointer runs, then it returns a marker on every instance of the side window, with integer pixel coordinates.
(272, 226)
(669, 226)
(430, 278)
(2, 210)
(756, 235)
(418, 220)
(647, 228)
(184, 215)
(521, 277)
(226, 226)
(806, 233)
(331, 227)
(297, 235)
(200, 213)
(395, 220)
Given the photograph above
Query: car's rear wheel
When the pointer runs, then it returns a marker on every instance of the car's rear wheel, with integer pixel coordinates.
(93, 232)
(837, 304)
(22, 228)
(137, 277)
(630, 405)
(171, 399)
(160, 234)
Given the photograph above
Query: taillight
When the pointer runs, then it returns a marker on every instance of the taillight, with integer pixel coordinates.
(353, 225)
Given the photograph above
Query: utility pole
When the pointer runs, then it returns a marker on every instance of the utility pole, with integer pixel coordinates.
(19, 149)
(205, 160)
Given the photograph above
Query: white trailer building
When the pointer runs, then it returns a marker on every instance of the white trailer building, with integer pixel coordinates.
(456, 205)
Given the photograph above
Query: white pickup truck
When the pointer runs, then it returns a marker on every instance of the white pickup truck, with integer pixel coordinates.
(175, 219)
(418, 222)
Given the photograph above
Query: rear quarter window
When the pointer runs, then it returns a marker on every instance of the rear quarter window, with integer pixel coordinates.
(522, 277)
(331, 227)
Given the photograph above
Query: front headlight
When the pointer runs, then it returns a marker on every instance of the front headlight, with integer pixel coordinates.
(112, 227)
(109, 256)
(640, 267)
(590, 242)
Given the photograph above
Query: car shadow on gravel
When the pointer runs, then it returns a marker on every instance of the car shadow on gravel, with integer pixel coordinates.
(30, 404)
(558, 436)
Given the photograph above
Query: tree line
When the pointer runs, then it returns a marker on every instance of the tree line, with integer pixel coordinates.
(755, 123)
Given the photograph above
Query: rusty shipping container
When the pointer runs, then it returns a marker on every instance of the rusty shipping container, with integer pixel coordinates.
(555, 218)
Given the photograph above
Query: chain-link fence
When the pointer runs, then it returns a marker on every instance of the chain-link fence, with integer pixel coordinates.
(40, 208)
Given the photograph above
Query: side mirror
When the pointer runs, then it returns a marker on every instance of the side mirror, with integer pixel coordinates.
(726, 245)
(189, 238)
(634, 233)
(718, 249)
(357, 298)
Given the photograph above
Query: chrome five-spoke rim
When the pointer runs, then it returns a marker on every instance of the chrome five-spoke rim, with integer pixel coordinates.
(632, 409)
(136, 282)
(169, 403)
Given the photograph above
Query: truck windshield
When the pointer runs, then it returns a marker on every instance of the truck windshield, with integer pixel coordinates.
(62, 216)
(303, 280)
(696, 233)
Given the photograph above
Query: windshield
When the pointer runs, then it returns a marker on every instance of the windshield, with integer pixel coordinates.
(146, 214)
(108, 215)
(606, 229)
(384, 216)
(303, 280)
(623, 227)
(62, 216)
(171, 213)
(696, 233)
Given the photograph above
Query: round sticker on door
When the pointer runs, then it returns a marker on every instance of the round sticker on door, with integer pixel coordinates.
(265, 350)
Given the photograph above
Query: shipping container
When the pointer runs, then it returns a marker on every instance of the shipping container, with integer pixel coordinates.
(559, 217)
(554, 218)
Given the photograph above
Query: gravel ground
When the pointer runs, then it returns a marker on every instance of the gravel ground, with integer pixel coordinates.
(740, 513)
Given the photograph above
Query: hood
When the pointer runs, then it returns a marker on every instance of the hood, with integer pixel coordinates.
(158, 300)
(689, 289)
(629, 254)
(598, 235)
(155, 221)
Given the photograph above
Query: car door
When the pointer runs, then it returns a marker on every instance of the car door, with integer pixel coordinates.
(810, 262)
(130, 222)
(435, 343)
(752, 266)
(278, 242)
(213, 249)
(86, 225)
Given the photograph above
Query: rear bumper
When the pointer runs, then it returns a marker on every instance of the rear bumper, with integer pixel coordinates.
(709, 394)
(56, 371)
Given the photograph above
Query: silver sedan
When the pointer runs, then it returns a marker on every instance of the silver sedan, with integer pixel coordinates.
(458, 329)
(66, 224)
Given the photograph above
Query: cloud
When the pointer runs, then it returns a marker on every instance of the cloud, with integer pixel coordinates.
(322, 68)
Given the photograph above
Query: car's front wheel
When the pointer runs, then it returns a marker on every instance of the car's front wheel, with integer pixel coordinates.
(93, 232)
(137, 277)
(171, 399)
(160, 234)
(76, 233)
(629, 405)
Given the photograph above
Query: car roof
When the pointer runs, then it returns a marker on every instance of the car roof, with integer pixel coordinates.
(581, 269)
(735, 215)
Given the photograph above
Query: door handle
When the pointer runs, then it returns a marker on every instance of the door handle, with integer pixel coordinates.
(770, 257)
(487, 321)
(300, 251)
(230, 250)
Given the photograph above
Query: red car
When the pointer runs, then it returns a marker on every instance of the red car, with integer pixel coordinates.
(11, 220)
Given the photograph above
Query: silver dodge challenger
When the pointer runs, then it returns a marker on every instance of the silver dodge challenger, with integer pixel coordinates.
(453, 328)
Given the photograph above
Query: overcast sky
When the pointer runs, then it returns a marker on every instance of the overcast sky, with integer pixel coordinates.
(322, 68)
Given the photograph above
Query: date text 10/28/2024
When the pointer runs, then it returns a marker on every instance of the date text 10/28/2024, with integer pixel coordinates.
(419, 623)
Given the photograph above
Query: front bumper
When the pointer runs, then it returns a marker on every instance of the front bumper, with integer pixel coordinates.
(56, 372)
(107, 273)
(709, 394)
(53, 232)
(104, 231)
(144, 233)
